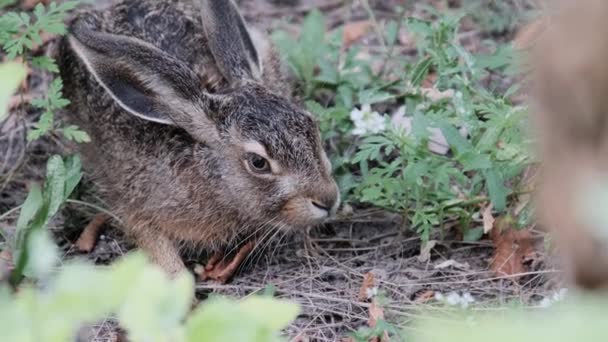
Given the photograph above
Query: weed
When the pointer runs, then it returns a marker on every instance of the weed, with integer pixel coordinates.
(402, 167)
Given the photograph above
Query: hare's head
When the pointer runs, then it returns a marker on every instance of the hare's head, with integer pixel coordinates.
(264, 153)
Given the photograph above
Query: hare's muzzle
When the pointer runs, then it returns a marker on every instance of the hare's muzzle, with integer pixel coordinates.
(326, 203)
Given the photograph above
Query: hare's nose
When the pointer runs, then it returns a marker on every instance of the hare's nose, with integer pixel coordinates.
(328, 201)
(321, 206)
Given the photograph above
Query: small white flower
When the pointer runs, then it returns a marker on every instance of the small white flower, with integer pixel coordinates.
(556, 296)
(454, 299)
(466, 299)
(371, 292)
(545, 303)
(367, 121)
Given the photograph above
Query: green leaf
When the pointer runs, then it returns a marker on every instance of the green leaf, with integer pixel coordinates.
(43, 254)
(11, 74)
(75, 134)
(45, 63)
(54, 187)
(472, 235)
(73, 174)
(371, 96)
(421, 69)
(4, 3)
(496, 189)
(456, 141)
(215, 321)
(391, 31)
(30, 207)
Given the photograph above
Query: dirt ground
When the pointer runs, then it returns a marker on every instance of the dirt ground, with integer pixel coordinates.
(324, 270)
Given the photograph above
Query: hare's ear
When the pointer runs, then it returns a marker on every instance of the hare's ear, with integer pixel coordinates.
(230, 41)
(144, 80)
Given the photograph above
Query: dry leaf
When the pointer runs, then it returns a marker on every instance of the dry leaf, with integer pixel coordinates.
(301, 337)
(511, 248)
(88, 238)
(529, 34)
(354, 31)
(430, 80)
(369, 287)
(425, 297)
(376, 313)
(30, 4)
(405, 37)
(488, 219)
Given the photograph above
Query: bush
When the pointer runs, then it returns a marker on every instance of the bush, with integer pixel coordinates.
(399, 164)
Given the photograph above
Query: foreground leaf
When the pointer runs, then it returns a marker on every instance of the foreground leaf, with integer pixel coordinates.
(11, 75)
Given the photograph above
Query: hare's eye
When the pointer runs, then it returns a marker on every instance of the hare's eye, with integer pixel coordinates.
(258, 163)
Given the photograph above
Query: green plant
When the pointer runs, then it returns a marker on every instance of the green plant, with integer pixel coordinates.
(39, 207)
(11, 74)
(19, 34)
(148, 305)
(398, 169)
(579, 319)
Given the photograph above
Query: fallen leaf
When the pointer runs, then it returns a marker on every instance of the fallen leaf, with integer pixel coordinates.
(529, 34)
(30, 4)
(376, 313)
(488, 219)
(88, 238)
(425, 250)
(368, 288)
(425, 297)
(301, 337)
(511, 248)
(354, 31)
(430, 80)
(405, 37)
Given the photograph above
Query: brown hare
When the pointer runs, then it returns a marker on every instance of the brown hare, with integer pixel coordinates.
(194, 137)
(571, 83)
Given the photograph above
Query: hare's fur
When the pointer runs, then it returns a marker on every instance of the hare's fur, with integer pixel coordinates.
(174, 111)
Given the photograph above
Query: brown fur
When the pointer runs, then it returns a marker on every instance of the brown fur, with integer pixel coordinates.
(172, 110)
(572, 119)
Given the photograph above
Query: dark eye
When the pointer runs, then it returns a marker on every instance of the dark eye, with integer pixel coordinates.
(258, 163)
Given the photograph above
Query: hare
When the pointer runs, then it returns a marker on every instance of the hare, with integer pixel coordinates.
(571, 84)
(195, 139)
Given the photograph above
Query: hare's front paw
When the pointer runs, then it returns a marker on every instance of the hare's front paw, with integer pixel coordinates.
(221, 268)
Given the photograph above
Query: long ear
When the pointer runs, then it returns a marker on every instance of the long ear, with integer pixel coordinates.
(144, 80)
(229, 41)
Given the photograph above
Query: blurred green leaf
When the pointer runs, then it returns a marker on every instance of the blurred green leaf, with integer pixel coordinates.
(11, 75)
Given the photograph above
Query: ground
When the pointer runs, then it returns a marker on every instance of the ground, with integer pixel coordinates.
(322, 271)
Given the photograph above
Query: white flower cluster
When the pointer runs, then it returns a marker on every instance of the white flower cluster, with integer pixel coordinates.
(454, 299)
(367, 121)
(556, 296)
